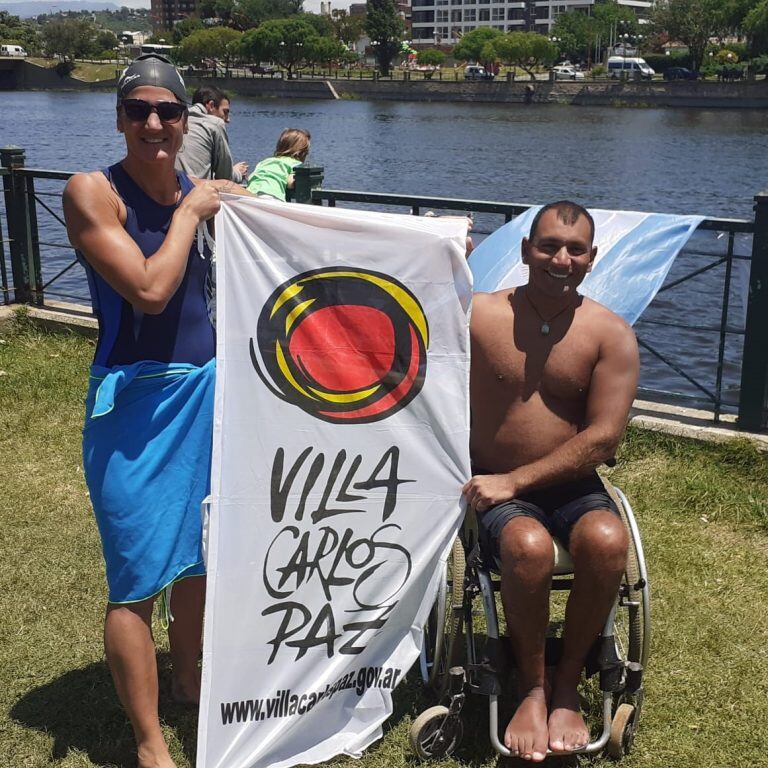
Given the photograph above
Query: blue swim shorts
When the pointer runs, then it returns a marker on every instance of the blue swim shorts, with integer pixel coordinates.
(558, 508)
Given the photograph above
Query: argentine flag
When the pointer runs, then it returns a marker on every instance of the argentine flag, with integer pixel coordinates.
(634, 253)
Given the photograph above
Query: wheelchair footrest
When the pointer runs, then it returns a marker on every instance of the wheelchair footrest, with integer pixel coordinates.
(484, 679)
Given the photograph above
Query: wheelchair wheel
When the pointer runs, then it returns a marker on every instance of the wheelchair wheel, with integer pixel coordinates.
(634, 630)
(633, 617)
(623, 728)
(442, 648)
(434, 734)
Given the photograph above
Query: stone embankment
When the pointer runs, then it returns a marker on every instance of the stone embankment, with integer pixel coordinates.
(752, 95)
(21, 75)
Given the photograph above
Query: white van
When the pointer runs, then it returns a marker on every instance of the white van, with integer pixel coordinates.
(12, 50)
(631, 66)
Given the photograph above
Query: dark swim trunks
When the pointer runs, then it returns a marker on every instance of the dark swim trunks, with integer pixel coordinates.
(557, 508)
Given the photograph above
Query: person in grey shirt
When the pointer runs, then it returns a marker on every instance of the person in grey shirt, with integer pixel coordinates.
(205, 152)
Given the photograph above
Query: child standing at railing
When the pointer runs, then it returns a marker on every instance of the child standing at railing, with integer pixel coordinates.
(271, 177)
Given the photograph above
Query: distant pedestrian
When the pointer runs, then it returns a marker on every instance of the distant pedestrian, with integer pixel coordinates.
(273, 176)
(205, 153)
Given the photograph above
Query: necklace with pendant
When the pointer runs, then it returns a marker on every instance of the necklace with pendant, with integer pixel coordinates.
(545, 322)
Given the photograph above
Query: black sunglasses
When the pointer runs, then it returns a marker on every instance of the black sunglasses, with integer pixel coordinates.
(138, 110)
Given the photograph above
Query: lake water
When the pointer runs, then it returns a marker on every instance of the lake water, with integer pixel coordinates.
(710, 162)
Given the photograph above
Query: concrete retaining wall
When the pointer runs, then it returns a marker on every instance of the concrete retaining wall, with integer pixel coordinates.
(750, 95)
(22, 75)
(266, 86)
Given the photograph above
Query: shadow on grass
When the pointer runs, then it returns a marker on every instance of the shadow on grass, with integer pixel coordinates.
(81, 711)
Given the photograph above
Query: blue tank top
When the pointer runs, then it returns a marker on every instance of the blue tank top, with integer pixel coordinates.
(183, 332)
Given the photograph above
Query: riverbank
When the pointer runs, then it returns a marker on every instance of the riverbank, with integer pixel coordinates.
(702, 510)
(22, 75)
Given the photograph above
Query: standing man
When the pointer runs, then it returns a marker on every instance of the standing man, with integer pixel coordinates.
(552, 380)
(205, 153)
(149, 409)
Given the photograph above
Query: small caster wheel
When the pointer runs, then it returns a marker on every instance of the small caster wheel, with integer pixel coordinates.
(622, 732)
(434, 734)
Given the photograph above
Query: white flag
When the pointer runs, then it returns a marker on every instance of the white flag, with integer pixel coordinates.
(341, 443)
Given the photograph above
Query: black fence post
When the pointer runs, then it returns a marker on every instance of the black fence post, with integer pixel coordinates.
(25, 257)
(753, 400)
(307, 178)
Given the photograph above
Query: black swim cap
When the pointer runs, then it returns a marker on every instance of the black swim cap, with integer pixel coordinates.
(151, 69)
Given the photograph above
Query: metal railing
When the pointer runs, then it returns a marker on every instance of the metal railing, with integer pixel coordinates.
(31, 282)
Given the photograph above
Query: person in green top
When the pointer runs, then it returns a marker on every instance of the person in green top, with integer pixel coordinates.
(274, 175)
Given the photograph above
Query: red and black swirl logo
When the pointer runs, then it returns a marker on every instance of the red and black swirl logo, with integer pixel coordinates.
(346, 345)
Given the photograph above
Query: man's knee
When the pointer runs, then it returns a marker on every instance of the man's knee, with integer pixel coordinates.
(526, 546)
(128, 612)
(600, 536)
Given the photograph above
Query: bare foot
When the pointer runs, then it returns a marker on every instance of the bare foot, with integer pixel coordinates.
(567, 729)
(526, 735)
(186, 693)
(154, 756)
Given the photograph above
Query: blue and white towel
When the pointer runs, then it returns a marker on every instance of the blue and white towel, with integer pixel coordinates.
(147, 455)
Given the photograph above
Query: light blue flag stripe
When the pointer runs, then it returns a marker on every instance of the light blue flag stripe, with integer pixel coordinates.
(630, 274)
(492, 260)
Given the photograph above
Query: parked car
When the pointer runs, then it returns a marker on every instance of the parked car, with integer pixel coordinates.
(476, 72)
(567, 72)
(680, 73)
(263, 69)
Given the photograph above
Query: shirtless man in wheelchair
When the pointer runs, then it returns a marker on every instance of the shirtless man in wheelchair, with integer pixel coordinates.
(553, 377)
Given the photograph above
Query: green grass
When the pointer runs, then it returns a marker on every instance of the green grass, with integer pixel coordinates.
(86, 71)
(703, 511)
(94, 73)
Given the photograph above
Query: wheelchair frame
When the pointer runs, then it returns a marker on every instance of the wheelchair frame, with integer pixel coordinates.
(438, 731)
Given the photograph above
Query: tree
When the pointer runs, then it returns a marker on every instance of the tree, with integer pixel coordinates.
(284, 41)
(319, 22)
(470, 47)
(70, 38)
(215, 43)
(576, 34)
(106, 41)
(756, 27)
(385, 29)
(247, 14)
(348, 29)
(527, 50)
(612, 20)
(430, 57)
(691, 22)
(185, 28)
(735, 13)
(324, 50)
(207, 9)
(17, 32)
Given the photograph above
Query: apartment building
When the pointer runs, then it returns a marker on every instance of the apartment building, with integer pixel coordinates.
(165, 12)
(443, 22)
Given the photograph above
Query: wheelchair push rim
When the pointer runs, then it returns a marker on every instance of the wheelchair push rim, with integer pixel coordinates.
(441, 647)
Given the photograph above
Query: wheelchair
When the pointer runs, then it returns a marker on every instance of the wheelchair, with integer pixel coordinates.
(463, 655)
